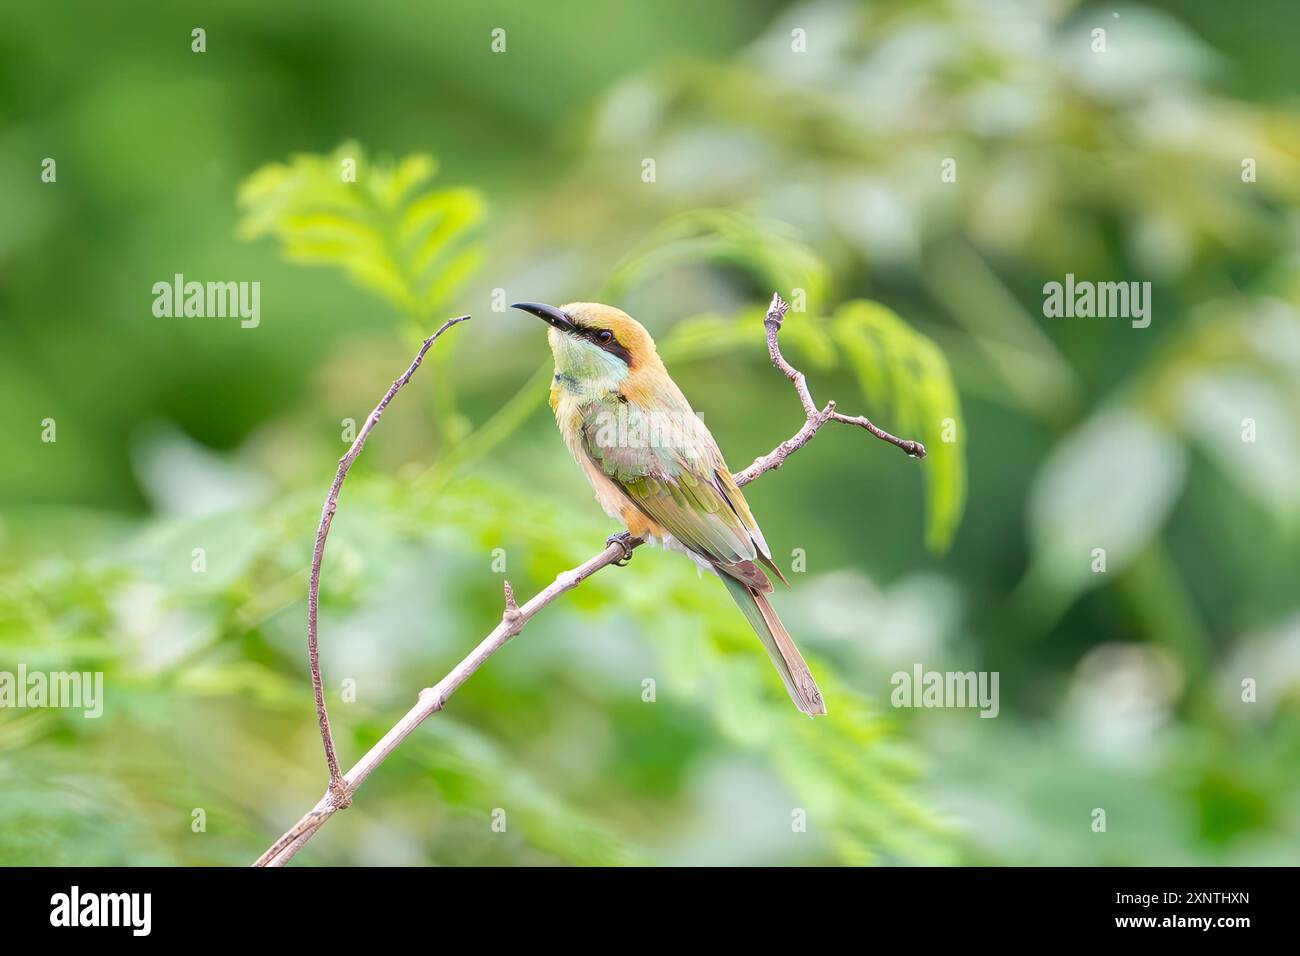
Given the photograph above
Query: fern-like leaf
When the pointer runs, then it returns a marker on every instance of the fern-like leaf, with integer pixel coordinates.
(906, 376)
(387, 230)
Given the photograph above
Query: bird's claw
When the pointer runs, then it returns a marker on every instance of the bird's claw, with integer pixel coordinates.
(622, 539)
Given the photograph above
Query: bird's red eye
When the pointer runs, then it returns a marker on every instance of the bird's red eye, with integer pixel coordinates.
(606, 335)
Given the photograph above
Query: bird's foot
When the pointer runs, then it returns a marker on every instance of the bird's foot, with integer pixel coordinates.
(623, 539)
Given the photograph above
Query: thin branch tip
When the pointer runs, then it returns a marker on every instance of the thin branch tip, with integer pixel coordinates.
(776, 311)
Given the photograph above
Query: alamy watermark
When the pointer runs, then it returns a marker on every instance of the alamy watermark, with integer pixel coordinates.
(943, 689)
(645, 429)
(133, 911)
(212, 300)
(80, 690)
(1102, 300)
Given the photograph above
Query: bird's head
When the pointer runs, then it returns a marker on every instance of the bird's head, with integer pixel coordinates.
(593, 343)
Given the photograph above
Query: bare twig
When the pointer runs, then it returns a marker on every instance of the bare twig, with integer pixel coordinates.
(814, 419)
(433, 699)
(513, 617)
(338, 791)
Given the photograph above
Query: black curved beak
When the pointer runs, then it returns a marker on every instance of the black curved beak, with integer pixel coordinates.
(547, 313)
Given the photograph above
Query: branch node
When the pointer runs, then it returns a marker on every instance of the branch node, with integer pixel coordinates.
(340, 794)
(512, 616)
(425, 694)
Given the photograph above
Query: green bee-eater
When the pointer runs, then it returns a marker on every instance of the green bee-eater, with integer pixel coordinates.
(656, 468)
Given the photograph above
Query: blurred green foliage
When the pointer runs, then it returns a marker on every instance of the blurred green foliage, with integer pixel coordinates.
(381, 226)
(818, 171)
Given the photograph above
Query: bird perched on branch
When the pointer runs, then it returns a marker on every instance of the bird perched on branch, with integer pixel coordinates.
(655, 466)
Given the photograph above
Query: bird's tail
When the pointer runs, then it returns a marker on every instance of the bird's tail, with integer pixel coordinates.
(785, 656)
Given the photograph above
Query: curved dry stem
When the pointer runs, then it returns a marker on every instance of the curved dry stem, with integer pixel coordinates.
(338, 791)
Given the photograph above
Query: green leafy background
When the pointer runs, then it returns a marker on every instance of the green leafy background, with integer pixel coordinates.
(485, 178)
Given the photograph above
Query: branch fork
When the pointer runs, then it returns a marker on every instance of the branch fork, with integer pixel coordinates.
(814, 419)
(338, 794)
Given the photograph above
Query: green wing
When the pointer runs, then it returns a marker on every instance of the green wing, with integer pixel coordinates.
(672, 470)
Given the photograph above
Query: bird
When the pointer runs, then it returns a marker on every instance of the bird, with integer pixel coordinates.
(656, 468)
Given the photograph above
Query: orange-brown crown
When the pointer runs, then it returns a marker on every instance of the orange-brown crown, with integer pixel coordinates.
(628, 332)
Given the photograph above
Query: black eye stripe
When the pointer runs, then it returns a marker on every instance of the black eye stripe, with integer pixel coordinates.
(613, 346)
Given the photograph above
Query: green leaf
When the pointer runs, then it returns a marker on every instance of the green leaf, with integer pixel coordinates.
(1221, 407)
(1110, 484)
(387, 231)
(906, 375)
